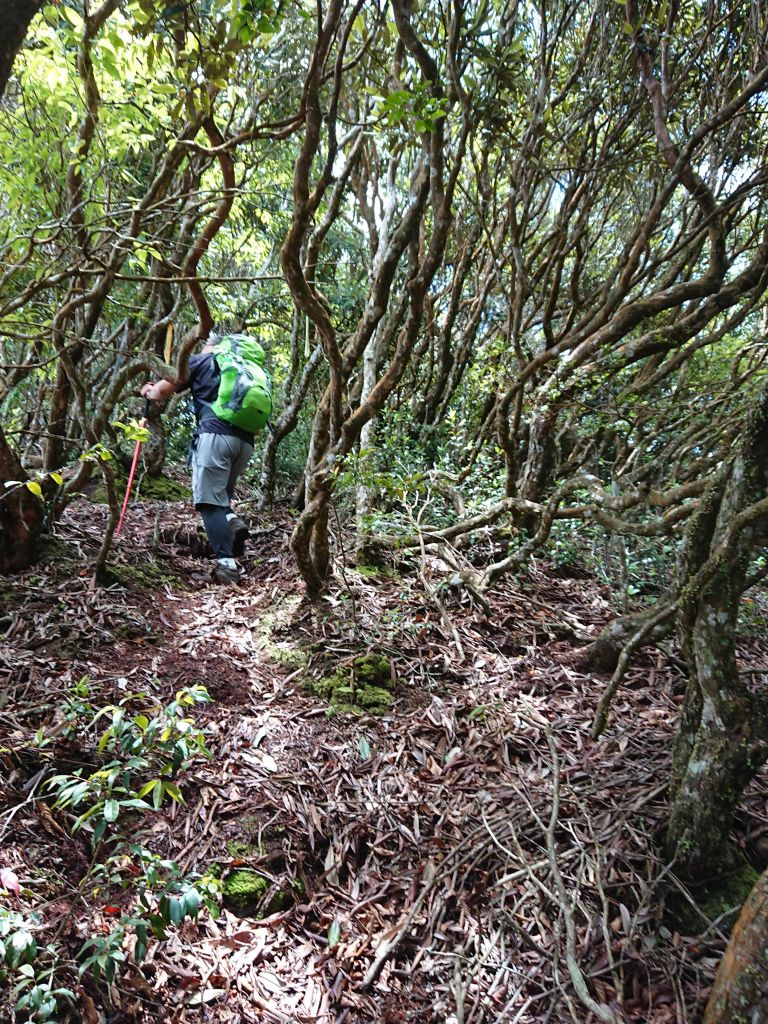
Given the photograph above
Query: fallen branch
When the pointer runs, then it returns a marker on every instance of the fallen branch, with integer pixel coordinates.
(636, 640)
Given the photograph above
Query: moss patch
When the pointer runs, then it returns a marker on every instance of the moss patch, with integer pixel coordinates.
(248, 894)
(239, 849)
(363, 686)
(244, 888)
(729, 895)
(10, 598)
(375, 572)
(270, 623)
(151, 489)
(148, 576)
(720, 901)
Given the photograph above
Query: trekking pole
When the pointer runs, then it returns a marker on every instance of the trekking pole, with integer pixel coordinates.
(132, 473)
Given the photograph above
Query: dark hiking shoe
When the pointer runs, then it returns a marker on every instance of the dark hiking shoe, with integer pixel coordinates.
(240, 535)
(229, 577)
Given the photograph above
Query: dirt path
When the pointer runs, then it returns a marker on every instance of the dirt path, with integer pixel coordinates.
(404, 857)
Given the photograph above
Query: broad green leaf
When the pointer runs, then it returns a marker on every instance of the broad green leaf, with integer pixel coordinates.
(173, 792)
(191, 902)
(72, 17)
(34, 486)
(176, 910)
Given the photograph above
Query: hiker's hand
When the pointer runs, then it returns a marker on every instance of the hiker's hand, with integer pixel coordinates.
(160, 391)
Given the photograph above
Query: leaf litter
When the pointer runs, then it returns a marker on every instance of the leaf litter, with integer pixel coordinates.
(415, 869)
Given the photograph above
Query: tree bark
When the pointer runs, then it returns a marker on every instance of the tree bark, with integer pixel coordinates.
(723, 739)
(21, 515)
(603, 654)
(15, 16)
(740, 992)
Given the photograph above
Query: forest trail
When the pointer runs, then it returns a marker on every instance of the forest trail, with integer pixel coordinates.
(404, 856)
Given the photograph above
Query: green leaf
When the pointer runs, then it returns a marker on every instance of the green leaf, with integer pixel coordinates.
(22, 948)
(140, 948)
(111, 68)
(111, 810)
(34, 486)
(334, 934)
(364, 747)
(57, 478)
(176, 910)
(173, 792)
(191, 902)
(72, 17)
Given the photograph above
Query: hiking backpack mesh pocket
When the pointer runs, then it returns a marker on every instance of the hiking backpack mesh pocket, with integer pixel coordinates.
(245, 390)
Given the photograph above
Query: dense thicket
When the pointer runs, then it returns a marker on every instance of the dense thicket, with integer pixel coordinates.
(509, 260)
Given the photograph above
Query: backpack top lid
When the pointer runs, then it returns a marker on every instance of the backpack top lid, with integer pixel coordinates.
(240, 345)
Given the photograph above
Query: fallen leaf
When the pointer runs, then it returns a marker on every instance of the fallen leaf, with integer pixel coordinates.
(9, 880)
(208, 995)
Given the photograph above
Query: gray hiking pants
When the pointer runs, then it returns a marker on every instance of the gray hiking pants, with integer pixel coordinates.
(217, 462)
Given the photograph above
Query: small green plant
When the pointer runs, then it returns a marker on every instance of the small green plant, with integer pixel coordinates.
(77, 708)
(132, 430)
(28, 975)
(164, 899)
(161, 745)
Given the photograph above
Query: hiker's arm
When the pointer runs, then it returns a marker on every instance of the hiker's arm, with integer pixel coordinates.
(162, 389)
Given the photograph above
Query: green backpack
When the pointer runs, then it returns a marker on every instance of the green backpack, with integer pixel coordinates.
(245, 390)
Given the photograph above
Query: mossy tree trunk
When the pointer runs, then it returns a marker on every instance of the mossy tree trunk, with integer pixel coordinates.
(723, 739)
(740, 992)
(21, 514)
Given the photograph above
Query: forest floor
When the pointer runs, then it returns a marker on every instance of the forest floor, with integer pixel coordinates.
(427, 864)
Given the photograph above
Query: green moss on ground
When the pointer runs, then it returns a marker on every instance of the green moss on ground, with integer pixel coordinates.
(244, 888)
(269, 623)
(729, 895)
(147, 575)
(363, 686)
(376, 572)
(240, 849)
(159, 488)
(11, 597)
(720, 901)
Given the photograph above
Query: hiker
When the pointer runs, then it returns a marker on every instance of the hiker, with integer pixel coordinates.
(231, 395)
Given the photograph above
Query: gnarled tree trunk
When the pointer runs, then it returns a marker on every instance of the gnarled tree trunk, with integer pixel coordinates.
(740, 992)
(15, 16)
(21, 514)
(723, 740)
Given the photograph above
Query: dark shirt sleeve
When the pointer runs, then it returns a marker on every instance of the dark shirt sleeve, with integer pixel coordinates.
(194, 362)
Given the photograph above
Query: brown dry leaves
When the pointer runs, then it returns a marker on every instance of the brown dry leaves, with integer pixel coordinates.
(412, 847)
